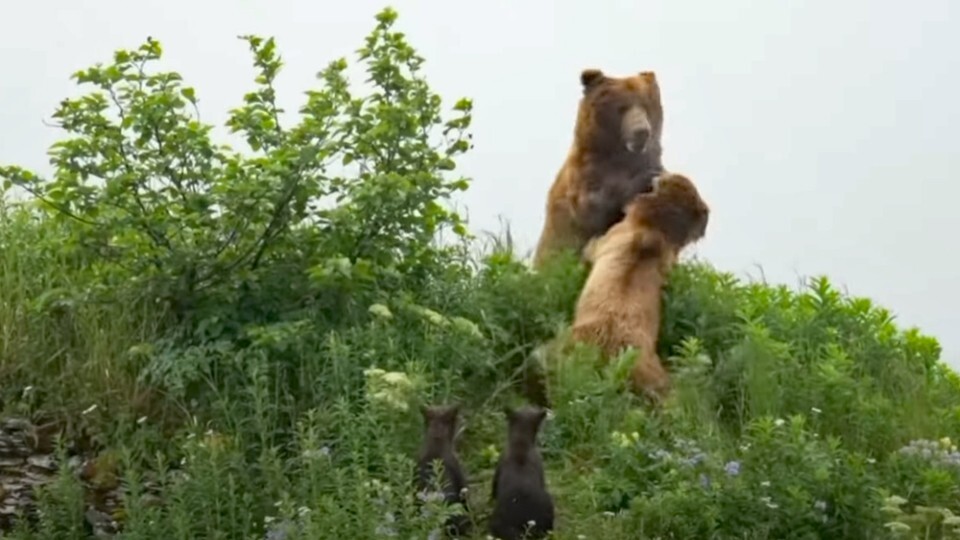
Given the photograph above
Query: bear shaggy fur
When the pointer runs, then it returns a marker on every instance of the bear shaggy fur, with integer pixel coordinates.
(620, 304)
(615, 155)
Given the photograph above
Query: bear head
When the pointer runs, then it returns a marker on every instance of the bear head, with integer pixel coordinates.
(674, 209)
(441, 421)
(620, 115)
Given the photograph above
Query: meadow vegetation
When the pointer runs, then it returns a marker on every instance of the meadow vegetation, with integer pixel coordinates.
(244, 336)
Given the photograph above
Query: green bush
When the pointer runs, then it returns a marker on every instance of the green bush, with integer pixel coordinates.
(248, 334)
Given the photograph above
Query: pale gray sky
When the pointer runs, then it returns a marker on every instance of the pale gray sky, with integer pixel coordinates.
(822, 133)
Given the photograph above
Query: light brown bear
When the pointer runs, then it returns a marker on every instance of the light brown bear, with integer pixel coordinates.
(615, 155)
(620, 304)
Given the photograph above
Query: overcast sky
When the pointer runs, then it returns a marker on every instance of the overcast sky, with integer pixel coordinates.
(823, 133)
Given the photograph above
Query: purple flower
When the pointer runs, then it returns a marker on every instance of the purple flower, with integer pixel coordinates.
(732, 468)
(660, 454)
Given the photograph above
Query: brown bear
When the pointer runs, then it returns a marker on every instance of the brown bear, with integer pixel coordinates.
(620, 304)
(616, 152)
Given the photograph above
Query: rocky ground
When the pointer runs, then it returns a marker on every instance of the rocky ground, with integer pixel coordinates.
(28, 459)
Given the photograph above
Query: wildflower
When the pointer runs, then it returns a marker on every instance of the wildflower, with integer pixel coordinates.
(620, 439)
(896, 500)
(765, 483)
(778, 422)
(769, 502)
(467, 326)
(430, 496)
(704, 481)
(381, 311)
(815, 410)
(373, 372)
(732, 468)
(396, 378)
(897, 526)
(660, 453)
(820, 506)
(383, 530)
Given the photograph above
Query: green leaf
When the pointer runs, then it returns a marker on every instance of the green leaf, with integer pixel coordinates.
(189, 94)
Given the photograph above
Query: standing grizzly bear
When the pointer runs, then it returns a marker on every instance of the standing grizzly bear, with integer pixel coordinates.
(620, 303)
(615, 154)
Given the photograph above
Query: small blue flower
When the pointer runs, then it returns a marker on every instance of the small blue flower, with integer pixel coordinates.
(732, 468)
(704, 481)
(660, 453)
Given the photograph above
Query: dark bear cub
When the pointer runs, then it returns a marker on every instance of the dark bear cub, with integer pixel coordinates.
(441, 423)
(522, 503)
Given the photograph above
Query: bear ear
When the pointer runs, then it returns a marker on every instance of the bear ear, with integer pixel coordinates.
(649, 76)
(591, 77)
(454, 409)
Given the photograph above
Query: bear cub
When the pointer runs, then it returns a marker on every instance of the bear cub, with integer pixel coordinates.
(620, 303)
(522, 504)
(440, 431)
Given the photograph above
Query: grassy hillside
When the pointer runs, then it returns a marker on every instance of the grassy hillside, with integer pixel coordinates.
(240, 339)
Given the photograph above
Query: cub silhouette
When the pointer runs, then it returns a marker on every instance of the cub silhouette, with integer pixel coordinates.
(440, 430)
(522, 503)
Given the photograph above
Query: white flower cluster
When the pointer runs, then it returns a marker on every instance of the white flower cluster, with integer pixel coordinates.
(942, 452)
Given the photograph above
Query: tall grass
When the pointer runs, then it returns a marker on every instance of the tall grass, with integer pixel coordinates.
(809, 392)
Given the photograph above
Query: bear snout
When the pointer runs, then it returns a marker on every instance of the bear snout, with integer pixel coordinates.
(637, 141)
(635, 129)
